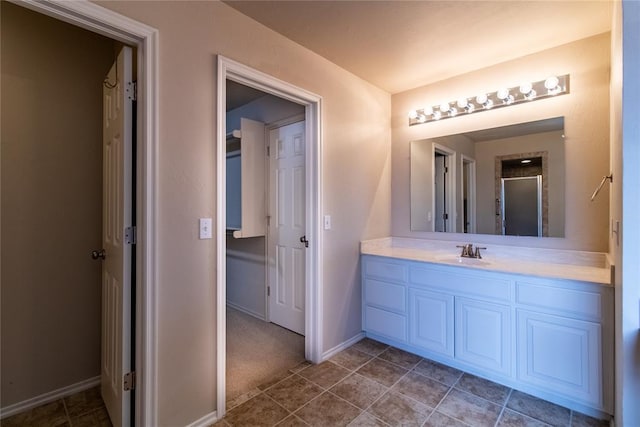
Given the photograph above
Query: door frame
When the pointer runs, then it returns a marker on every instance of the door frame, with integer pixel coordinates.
(240, 73)
(451, 191)
(469, 164)
(100, 20)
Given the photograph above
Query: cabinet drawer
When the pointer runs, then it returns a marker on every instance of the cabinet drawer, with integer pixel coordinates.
(385, 295)
(570, 302)
(385, 270)
(385, 323)
(455, 283)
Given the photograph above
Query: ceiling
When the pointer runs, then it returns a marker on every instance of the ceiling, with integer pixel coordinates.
(399, 45)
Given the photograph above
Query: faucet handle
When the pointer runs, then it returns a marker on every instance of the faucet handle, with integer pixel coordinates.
(477, 254)
(467, 250)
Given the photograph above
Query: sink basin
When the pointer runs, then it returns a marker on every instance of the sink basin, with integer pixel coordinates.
(453, 259)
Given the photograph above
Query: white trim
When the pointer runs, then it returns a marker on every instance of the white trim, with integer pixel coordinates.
(232, 70)
(451, 185)
(471, 185)
(48, 397)
(207, 420)
(343, 346)
(247, 311)
(98, 19)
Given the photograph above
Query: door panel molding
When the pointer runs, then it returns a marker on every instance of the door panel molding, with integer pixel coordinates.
(232, 70)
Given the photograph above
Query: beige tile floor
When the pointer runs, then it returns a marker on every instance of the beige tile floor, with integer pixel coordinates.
(368, 384)
(83, 409)
(372, 384)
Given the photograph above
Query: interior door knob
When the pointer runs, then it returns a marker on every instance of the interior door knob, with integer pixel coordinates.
(101, 254)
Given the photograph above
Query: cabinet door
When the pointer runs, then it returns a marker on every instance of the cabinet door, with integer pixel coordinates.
(431, 321)
(561, 355)
(483, 334)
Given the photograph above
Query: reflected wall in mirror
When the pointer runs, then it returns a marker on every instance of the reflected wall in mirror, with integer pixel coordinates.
(508, 180)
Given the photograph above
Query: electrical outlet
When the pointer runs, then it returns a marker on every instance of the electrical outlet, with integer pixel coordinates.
(205, 228)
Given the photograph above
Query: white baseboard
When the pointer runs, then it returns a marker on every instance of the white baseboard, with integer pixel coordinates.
(51, 396)
(205, 421)
(337, 349)
(246, 311)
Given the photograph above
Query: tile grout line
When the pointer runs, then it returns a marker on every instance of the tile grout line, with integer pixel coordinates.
(444, 397)
(504, 407)
(66, 412)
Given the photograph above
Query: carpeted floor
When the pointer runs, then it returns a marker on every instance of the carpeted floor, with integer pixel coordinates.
(256, 351)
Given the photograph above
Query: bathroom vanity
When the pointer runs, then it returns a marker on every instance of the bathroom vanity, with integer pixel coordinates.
(537, 320)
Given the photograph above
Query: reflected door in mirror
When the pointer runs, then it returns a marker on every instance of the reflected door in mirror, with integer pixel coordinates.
(522, 206)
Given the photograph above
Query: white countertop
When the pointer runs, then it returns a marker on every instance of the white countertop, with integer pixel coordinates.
(549, 263)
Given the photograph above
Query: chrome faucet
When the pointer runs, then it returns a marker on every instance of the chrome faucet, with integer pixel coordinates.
(468, 252)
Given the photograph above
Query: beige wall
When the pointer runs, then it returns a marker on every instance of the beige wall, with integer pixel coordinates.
(51, 202)
(356, 185)
(586, 112)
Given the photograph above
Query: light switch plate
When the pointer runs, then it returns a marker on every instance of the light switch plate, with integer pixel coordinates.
(327, 222)
(205, 228)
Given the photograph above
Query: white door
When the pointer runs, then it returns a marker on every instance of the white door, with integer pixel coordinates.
(116, 216)
(286, 247)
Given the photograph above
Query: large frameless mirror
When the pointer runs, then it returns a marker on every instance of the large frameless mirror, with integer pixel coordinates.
(508, 180)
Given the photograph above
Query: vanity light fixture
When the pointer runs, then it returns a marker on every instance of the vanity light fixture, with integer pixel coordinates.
(526, 92)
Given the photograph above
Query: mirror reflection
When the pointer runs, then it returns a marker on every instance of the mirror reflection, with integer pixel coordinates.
(507, 181)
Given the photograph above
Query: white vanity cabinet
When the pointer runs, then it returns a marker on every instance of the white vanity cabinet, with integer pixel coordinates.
(552, 338)
(562, 332)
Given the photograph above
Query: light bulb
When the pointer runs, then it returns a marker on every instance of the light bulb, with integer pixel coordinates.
(462, 103)
(470, 108)
(526, 88)
(422, 118)
(445, 107)
(505, 96)
(502, 93)
(551, 82)
(481, 99)
(437, 115)
(427, 111)
(453, 112)
(413, 114)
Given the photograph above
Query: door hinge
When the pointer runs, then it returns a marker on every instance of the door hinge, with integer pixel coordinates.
(132, 91)
(268, 291)
(129, 381)
(130, 235)
(268, 150)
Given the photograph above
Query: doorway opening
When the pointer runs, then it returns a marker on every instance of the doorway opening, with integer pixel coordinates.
(304, 177)
(444, 191)
(522, 194)
(468, 195)
(265, 220)
(129, 32)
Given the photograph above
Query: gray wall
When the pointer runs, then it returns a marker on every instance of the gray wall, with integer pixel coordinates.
(51, 202)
